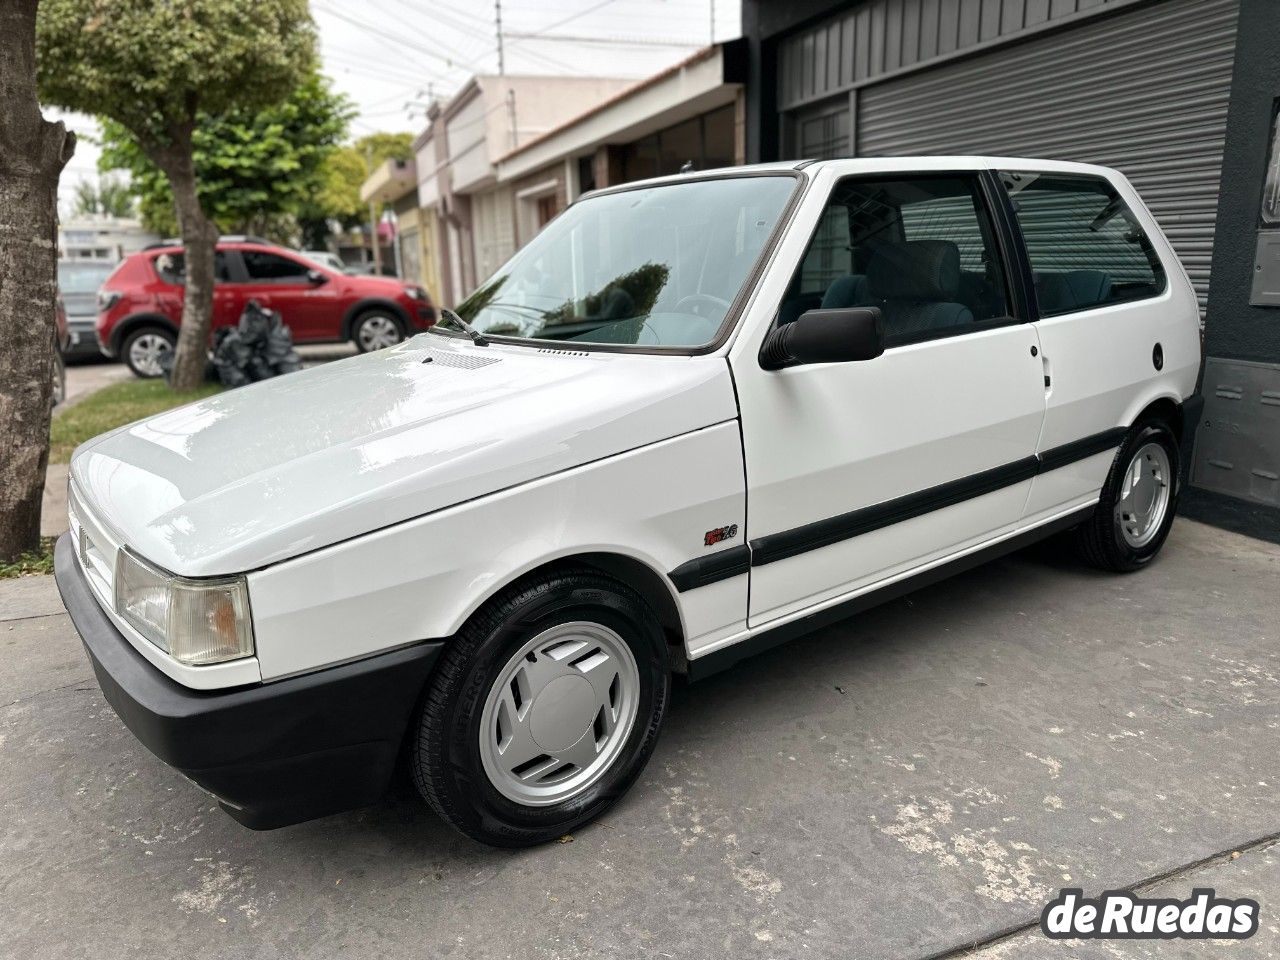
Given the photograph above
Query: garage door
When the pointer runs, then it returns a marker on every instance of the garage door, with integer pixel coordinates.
(1145, 92)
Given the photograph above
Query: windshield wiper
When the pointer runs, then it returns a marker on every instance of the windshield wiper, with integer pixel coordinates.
(478, 338)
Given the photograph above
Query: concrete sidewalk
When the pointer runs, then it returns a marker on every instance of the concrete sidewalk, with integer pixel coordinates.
(914, 782)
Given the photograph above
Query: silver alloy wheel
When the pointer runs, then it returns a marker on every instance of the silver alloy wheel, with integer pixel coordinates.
(1144, 495)
(377, 331)
(559, 713)
(145, 352)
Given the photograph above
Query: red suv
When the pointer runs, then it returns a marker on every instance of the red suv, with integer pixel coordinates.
(140, 304)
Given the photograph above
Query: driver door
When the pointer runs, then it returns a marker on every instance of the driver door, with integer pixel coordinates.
(283, 284)
(860, 473)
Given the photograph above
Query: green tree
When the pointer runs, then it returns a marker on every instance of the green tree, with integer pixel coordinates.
(256, 169)
(33, 152)
(347, 168)
(109, 197)
(154, 68)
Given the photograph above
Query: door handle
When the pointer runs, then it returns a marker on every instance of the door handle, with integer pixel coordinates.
(1048, 373)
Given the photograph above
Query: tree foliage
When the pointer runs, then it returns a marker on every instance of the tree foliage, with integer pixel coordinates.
(256, 168)
(347, 168)
(152, 66)
(108, 197)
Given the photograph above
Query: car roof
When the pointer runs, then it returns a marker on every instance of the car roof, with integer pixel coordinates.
(854, 165)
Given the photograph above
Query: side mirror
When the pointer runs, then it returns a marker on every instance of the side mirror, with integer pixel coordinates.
(825, 336)
(316, 278)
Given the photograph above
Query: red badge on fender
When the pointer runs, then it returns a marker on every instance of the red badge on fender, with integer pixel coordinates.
(720, 535)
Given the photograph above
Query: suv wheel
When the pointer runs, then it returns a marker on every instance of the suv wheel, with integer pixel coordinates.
(376, 330)
(1138, 501)
(143, 348)
(544, 710)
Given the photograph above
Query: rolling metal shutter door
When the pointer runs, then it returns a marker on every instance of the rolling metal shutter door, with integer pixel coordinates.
(1145, 92)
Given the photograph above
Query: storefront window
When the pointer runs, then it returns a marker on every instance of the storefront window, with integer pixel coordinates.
(707, 142)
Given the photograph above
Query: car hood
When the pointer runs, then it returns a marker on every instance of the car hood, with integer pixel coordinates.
(266, 472)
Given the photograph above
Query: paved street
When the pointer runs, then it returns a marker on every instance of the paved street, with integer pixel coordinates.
(918, 780)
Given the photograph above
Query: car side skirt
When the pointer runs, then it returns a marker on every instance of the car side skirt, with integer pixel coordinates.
(769, 638)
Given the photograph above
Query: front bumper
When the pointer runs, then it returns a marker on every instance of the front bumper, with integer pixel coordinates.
(272, 754)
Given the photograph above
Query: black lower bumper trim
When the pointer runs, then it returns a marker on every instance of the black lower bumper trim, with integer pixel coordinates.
(272, 753)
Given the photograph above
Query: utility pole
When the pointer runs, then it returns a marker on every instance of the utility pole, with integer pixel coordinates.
(497, 23)
(713, 22)
(373, 218)
(511, 118)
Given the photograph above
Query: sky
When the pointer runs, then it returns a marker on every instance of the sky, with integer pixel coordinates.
(391, 56)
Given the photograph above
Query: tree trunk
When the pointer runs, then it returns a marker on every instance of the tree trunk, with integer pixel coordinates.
(199, 237)
(32, 155)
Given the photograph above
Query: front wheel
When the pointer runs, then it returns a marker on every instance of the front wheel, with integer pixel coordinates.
(1138, 502)
(544, 710)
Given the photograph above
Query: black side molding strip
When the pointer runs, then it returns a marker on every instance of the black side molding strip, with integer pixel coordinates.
(1068, 453)
(823, 533)
(720, 565)
(726, 657)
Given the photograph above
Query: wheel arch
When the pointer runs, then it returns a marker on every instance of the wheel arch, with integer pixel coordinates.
(136, 322)
(1166, 407)
(374, 303)
(654, 588)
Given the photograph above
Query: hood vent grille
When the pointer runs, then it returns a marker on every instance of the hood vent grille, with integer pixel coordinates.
(564, 353)
(460, 361)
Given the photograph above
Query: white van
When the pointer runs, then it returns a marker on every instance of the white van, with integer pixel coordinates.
(694, 417)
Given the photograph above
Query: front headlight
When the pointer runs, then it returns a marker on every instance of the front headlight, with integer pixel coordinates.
(416, 293)
(194, 621)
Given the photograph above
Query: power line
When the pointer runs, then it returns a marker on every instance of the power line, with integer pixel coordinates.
(571, 18)
(449, 62)
(620, 41)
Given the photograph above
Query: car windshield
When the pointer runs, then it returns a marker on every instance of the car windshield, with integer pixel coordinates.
(652, 267)
(82, 277)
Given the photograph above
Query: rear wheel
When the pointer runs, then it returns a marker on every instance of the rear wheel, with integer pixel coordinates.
(376, 330)
(544, 710)
(143, 348)
(1138, 501)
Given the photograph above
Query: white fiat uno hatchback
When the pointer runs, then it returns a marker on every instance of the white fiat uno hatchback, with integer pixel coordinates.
(694, 417)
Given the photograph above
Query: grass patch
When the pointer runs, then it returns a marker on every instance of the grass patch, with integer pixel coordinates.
(112, 407)
(32, 562)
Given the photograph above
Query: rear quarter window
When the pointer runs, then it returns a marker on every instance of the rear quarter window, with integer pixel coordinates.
(1086, 247)
(171, 267)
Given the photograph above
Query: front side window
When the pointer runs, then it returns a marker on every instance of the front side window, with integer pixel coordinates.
(922, 249)
(652, 267)
(1086, 247)
(264, 267)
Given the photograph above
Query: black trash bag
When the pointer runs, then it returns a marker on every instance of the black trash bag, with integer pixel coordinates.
(260, 347)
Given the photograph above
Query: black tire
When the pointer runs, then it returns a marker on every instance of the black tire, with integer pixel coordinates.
(444, 754)
(387, 319)
(1099, 540)
(132, 338)
(59, 377)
